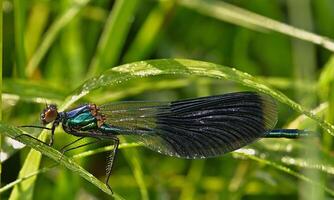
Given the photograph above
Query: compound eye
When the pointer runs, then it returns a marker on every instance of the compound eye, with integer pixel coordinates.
(49, 114)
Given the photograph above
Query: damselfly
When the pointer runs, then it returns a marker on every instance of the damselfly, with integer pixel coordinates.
(194, 128)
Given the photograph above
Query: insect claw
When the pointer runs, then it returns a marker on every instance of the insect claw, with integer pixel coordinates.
(108, 186)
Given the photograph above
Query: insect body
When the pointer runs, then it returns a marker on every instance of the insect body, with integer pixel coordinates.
(194, 128)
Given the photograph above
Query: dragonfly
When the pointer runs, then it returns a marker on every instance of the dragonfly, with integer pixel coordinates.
(193, 128)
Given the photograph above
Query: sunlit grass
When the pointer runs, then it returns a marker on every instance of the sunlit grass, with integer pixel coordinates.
(124, 73)
(51, 50)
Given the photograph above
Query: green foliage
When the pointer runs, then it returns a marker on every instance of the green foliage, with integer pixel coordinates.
(65, 52)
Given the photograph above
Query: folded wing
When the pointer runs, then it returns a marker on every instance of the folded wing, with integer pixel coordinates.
(195, 128)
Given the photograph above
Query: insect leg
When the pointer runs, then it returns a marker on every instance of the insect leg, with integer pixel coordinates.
(27, 135)
(41, 127)
(100, 136)
(82, 145)
(52, 135)
(110, 163)
(32, 126)
(73, 142)
(64, 150)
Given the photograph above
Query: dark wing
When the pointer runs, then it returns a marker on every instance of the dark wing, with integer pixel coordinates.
(195, 128)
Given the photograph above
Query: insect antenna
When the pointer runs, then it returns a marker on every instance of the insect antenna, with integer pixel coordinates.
(46, 103)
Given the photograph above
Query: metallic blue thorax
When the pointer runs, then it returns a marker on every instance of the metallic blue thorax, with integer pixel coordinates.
(81, 120)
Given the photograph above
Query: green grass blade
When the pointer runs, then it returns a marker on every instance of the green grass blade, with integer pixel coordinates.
(285, 169)
(326, 78)
(1, 48)
(113, 36)
(19, 23)
(325, 91)
(302, 118)
(288, 83)
(248, 19)
(32, 91)
(73, 50)
(133, 158)
(305, 70)
(26, 177)
(193, 179)
(52, 33)
(144, 41)
(38, 18)
(54, 155)
(133, 88)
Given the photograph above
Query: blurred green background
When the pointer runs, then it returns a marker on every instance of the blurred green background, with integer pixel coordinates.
(51, 47)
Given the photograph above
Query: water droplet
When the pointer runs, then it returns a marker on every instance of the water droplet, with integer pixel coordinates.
(14, 143)
(3, 156)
